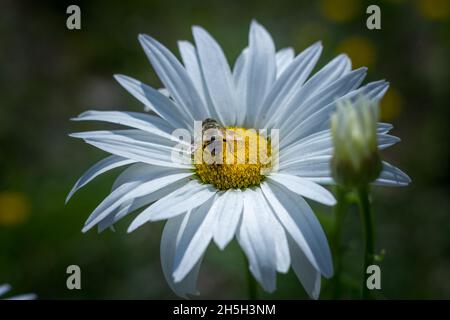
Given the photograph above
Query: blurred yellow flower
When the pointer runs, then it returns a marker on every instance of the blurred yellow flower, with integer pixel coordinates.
(340, 10)
(391, 105)
(360, 50)
(434, 9)
(14, 208)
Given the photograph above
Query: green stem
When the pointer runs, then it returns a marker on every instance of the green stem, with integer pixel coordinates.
(369, 235)
(339, 213)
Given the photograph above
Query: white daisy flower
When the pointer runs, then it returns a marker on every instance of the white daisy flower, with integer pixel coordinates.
(267, 213)
(4, 288)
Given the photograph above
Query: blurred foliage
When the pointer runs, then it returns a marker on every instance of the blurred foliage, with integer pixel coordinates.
(49, 74)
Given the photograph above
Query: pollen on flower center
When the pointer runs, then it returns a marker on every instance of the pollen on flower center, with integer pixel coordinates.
(240, 160)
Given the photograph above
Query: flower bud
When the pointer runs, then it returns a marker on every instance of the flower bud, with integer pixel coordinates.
(356, 161)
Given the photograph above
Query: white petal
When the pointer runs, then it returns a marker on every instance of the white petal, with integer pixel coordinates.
(229, 207)
(137, 146)
(137, 203)
(27, 296)
(137, 172)
(320, 119)
(256, 239)
(330, 73)
(195, 239)
(142, 121)
(150, 107)
(317, 169)
(184, 199)
(239, 67)
(192, 65)
(304, 270)
(97, 169)
(217, 75)
(321, 144)
(373, 91)
(164, 92)
(289, 83)
(4, 288)
(240, 82)
(174, 77)
(283, 58)
(334, 70)
(392, 176)
(177, 116)
(386, 140)
(173, 231)
(300, 222)
(313, 168)
(304, 187)
(155, 179)
(132, 136)
(384, 127)
(283, 257)
(260, 70)
(301, 117)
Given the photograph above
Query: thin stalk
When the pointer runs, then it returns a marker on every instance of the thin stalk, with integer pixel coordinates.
(369, 235)
(340, 211)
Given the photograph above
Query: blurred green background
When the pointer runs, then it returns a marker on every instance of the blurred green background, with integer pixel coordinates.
(49, 74)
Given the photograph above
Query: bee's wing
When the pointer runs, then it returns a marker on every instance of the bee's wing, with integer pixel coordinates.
(215, 147)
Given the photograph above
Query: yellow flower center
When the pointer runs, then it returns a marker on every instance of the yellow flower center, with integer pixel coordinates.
(240, 160)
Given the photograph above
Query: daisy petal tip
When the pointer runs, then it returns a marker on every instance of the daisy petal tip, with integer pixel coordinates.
(408, 180)
(146, 41)
(80, 117)
(182, 43)
(318, 44)
(132, 227)
(196, 29)
(332, 201)
(221, 244)
(137, 223)
(69, 196)
(255, 25)
(363, 69)
(328, 274)
(270, 288)
(142, 36)
(345, 57)
(221, 247)
(178, 276)
(76, 135)
(118, 76)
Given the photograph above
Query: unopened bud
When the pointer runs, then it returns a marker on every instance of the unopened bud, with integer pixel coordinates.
(356, 161)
